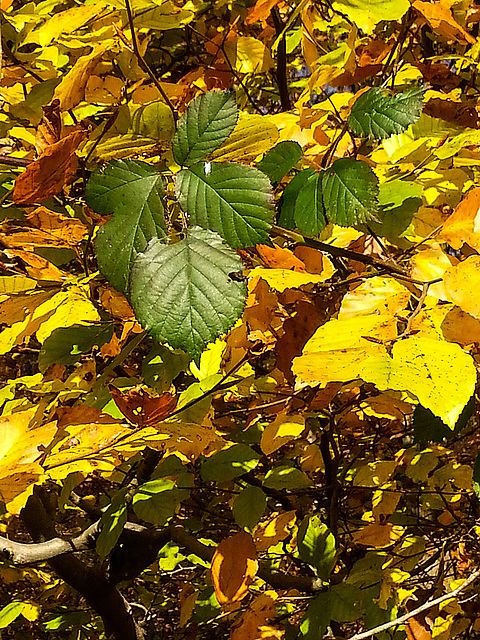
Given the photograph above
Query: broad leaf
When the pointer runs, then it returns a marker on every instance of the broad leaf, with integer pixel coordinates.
(440, 374)
(249, 506)
(232, 199)
(279, 160)
(286, 218)
(183, 293)
(316, 545)
(309, 208)
(132, 191)
(206, 123)
(350, 192)
(377, 114)
(229, 463)
(156, 501)
(112, 523)
(286, 477)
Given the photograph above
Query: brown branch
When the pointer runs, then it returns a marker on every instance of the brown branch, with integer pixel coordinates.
(281, 70)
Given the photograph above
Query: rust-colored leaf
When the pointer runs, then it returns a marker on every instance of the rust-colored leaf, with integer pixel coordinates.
(50, 128)
(48, 175)
(142, 409)
(234, 566)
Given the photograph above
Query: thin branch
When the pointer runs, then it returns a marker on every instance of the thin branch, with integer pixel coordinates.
(416, 311)
(421, 609)
(281, 70)
(142, 62)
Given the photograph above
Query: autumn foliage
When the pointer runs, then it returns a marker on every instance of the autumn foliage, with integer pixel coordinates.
(240, 320)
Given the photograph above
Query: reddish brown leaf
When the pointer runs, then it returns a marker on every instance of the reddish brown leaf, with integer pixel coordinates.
(48, 175)
(50, 128)
(142, 409)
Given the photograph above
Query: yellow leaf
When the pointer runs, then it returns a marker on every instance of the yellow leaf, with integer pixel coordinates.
(375, 295)
(252, 136)
(16, 284)
(368, 13)
(281, 279)
(440, 374)
(234, 566)
(64, 22)
(338, 349)
(66, 308)
(378, 535)
(431, 264)
(461, 282)
(385, 501)
(439, 17)
(282, 430)
(248, 55)
(251, 625)
(30, 611)
(374, 474)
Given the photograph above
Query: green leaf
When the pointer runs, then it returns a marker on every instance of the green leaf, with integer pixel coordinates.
(350, 192)
(249, 506)
(377, 114)
(279, 160)
(309, 209)
(156, 501)
(286, 477)
(440, 374)
(232, 199)
(66, 345)
(161, 366)
(10, 613)
(229, 463)
(112, 523)
(342, 603)
(183, 294)
(316, 546)
(132, 191)
(286, 218)
(428, 428)
(207, 122)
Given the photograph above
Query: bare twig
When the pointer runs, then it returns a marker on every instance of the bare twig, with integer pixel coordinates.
(421, 609)
(416, 311)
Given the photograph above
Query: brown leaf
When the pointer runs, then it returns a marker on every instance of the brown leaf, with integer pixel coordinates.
(457, 113)
(48, 175)
(442, 22)
(234, 566)
(142, 409)
(252, 624)
(50, 128)
(69, 231)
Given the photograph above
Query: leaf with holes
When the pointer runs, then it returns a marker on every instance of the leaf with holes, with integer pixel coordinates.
(183, 294)
(232, 199)
(350, 192)
(207, 122)
(378, 114)
(132, 191)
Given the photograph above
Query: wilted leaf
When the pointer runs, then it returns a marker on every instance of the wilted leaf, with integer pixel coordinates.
(234, 566)
(141, 408)
(232, 199)
(48, 175)
(183, 294)
(439, 17)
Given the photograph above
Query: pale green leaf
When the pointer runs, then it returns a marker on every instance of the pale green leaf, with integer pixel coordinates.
(112, 524)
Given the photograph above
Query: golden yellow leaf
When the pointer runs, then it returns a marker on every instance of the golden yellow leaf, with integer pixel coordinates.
(281, 279)
(274, 529)
(431, 264)
(248, 55)
(385, 501)
(64, 309)
(252, 136)
(439, 17)
(338, 349)
(374, 474)
(64, 22)
(283, 429)
(234, 567)
(251, 625)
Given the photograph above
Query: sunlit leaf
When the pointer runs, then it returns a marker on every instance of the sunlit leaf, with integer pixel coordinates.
(229, 463)
(377, 114)
(316, 545)
(350, 192)
(234, 566)
(183, 294)
(132, 191)
(112, 524)
(232, 199)
(366, 14)
(286, 477)
(207, 122)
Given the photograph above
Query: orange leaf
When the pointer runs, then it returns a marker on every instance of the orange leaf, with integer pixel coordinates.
(144, 410)
(234, 566)
(464, 223)
(48, 175)
(50, 128)
(276, 528)
(440, 18)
